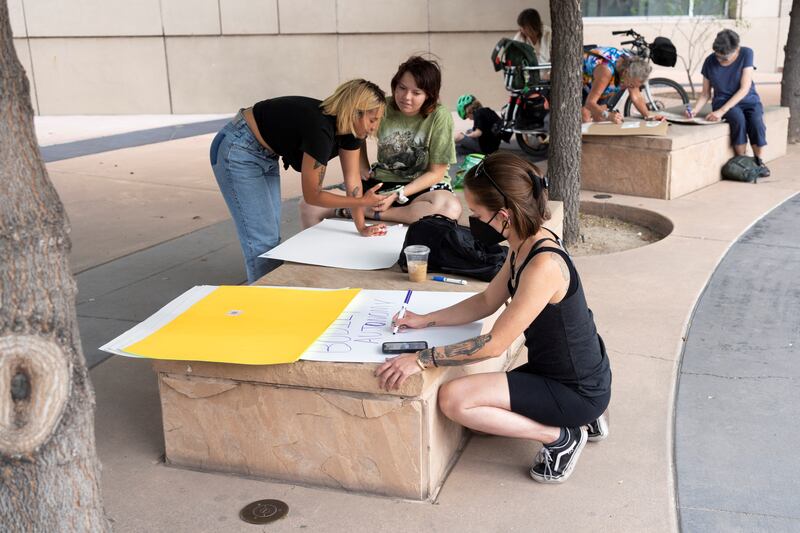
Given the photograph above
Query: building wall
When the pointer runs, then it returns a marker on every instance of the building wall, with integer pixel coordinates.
(215, 56)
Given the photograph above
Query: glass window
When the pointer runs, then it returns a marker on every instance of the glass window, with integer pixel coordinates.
(653, 8)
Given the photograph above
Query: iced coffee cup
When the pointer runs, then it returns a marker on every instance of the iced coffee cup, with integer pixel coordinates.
(417, 260)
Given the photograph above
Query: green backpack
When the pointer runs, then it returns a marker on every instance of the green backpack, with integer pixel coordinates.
(741, 168)
(470, 161)
(511, 53)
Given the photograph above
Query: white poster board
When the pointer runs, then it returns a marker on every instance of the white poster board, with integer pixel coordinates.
(682, 119)
(357, 335)
(628, 127)
(337, 244)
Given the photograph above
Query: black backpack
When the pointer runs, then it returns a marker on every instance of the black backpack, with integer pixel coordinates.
(453, 249)
(741, 168)
(663, 52)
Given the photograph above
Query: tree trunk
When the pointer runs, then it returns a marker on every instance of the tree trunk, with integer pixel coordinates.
(564, 159)
(790, 84)
(49, 472)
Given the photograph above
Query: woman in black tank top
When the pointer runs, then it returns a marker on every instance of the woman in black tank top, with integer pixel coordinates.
(559, 396)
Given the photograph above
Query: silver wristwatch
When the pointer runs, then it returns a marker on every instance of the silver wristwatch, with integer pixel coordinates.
(401, 197)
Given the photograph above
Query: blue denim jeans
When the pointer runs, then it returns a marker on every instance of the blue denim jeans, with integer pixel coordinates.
(249, 178)
(746, 120)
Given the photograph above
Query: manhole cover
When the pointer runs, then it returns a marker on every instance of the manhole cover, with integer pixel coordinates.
(602, 196)
(263, 511)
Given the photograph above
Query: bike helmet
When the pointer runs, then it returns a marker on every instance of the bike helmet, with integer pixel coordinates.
(463, 102)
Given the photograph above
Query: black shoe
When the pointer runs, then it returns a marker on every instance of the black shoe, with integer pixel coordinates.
(555, 464)
(597, 430)
(764, 173)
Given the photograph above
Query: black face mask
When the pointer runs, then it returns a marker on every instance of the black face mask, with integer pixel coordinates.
(485, 233)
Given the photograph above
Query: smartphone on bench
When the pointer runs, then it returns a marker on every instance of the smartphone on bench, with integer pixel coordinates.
(404, 347)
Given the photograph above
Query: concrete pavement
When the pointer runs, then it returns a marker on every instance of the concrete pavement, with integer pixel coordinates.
(145, 246)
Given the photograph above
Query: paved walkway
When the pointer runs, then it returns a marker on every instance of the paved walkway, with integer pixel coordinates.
(736, 408)
(642, 300)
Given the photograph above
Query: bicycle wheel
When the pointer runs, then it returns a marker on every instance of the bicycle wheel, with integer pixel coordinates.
(667, 95)
(532, 143)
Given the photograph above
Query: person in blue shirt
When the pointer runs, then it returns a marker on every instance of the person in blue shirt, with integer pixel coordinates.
(729, 72)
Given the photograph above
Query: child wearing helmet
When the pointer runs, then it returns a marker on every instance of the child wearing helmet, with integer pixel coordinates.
(481, 138)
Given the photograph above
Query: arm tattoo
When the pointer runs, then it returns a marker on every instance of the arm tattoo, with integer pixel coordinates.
(430, 324)
(562, 264)
(356, 192)
(321, 172)
(457, 354)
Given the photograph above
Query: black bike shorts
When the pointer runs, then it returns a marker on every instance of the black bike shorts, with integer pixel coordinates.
(552, 403)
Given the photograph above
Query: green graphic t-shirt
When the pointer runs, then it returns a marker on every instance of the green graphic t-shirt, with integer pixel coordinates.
(406, 145)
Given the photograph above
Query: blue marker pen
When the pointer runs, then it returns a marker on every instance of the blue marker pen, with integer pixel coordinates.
(689, 111)
(450, 280)
(402, 312)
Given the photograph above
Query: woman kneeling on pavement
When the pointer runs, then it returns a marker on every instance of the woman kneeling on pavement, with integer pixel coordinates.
(415, 150)
(729, 71)
(566, 383)
(307, 133)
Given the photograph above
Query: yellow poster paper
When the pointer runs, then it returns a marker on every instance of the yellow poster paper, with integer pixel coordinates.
(247, 325)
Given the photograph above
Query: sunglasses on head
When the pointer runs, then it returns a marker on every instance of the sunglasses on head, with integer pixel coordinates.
(480, 169)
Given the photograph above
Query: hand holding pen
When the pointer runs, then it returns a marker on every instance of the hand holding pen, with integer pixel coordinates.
(402, 313)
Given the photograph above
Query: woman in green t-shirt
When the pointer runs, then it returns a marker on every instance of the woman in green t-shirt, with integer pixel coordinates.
(415, 150)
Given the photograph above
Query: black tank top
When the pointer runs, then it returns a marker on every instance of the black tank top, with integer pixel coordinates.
(562, 340)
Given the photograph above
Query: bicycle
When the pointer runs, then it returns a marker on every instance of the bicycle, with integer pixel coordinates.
(526, 114)
(660, 94)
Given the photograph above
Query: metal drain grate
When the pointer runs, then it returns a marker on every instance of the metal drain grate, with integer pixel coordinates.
(264, 511)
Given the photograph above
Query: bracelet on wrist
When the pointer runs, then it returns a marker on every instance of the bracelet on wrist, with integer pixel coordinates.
(433, 356)
(421, 364)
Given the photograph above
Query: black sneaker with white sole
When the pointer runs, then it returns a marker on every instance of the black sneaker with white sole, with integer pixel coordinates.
(597, 430)
(554, 464)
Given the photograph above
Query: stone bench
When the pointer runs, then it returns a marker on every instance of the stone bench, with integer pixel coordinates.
(688, 158)
(318, 423)
(321, 423)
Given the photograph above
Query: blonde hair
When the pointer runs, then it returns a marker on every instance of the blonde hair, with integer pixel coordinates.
(350, 101)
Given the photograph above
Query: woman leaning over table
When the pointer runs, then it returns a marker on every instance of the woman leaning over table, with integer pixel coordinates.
(307, 133)
(566, 383)
(607, 73)
(729, 72)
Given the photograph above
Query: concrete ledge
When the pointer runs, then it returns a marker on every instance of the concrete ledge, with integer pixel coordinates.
(688, 158)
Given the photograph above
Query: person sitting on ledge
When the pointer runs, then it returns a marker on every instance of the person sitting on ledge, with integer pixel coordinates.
(729, 72)
(566, 383)
(415, 150)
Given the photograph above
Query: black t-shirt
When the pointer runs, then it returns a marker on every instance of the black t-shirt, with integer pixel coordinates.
(484, 118)
(293, 125)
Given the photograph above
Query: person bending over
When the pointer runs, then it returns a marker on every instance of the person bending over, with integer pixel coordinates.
(481, 138)
(415, 150)
(607, 72)
(566, 383)
(729, 72)
(307, 133)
